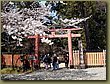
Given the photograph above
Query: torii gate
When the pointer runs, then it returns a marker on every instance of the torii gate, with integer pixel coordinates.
(69, 35)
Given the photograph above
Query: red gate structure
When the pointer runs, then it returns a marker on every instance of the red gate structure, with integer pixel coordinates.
(53, 34)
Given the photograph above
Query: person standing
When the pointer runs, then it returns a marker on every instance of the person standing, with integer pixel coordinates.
(58, 62)
(36, 63)
(45, 60)
(54, 62)
(3, 63)
(49, 60)
(66, 60)
(26, 65)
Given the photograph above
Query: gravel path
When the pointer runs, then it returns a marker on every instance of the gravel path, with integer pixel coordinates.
(62, 74)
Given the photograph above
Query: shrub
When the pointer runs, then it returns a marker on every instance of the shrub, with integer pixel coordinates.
(9, 71)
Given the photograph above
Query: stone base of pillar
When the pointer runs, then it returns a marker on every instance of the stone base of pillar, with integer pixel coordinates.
(71, 66)
(82, 66)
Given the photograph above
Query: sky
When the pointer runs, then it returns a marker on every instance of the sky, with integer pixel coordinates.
(51, 13)
(42, 2)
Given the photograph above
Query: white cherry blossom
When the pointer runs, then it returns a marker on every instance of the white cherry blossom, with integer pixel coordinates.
(30, 21)
(14, 37)
(24, 22)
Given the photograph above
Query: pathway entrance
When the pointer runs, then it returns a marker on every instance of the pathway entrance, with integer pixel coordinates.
(53, 34)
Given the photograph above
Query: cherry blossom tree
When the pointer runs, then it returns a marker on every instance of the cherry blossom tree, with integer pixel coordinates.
(20, 23)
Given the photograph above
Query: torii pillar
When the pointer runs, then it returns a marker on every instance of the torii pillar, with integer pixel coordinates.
(36, 45)
(70, 49)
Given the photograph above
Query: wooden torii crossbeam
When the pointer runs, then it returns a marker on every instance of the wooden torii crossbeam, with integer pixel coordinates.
(69, 35)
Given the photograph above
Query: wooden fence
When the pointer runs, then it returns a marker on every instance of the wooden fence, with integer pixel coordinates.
(90, 59)
(7, 60)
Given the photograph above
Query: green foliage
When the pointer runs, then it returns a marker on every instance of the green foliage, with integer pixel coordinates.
(94, 32)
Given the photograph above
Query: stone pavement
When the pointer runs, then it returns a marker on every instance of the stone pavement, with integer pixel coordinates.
(98, 73)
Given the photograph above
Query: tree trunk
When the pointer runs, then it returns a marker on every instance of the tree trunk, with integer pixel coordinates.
(87, 36)
(13, 60)
(84, 14)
